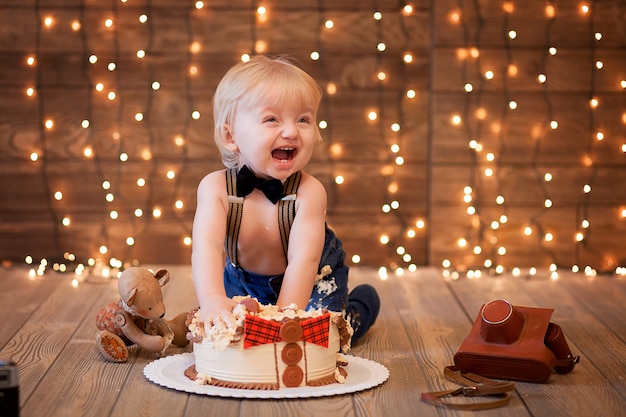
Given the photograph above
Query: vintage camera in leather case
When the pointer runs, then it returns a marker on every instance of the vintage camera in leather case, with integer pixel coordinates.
(515, 343)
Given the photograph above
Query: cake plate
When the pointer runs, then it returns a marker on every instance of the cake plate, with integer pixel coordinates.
(169, 372)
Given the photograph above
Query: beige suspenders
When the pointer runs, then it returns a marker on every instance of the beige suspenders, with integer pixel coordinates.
(287, 208)
(286, 212)
(235, 211)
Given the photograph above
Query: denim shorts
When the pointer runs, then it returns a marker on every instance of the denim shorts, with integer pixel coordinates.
(331, 291)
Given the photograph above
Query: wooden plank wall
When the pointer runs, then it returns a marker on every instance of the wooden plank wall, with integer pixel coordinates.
(453, 45)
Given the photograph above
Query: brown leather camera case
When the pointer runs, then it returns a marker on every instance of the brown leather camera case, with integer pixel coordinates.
(507, 342)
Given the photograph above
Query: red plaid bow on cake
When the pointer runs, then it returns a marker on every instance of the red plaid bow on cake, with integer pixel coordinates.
(259, 331)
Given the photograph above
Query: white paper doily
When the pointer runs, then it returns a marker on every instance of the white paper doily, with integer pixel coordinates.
(169, 372)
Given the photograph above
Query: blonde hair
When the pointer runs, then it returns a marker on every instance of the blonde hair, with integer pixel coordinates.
(273, 80)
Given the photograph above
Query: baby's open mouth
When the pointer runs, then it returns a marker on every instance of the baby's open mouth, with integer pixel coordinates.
(283, 154)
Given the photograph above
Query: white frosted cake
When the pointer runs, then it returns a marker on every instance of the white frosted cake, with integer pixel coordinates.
(270, 348)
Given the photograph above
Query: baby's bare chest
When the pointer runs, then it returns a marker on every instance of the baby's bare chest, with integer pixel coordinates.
(259, 246)
(259, 225)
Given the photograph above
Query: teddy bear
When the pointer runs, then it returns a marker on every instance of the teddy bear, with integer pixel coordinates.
(137, 318)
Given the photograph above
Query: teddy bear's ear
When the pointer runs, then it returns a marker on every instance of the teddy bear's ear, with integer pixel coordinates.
(163, 276)
(131, 297)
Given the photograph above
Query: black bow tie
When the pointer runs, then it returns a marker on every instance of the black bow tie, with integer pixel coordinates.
(247, 182)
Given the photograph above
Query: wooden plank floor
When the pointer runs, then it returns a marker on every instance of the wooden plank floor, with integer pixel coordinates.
(48, 329)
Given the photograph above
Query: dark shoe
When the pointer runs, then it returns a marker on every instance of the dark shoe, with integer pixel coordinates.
(363, 307)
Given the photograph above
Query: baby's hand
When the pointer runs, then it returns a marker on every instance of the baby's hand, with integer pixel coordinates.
(218, 310)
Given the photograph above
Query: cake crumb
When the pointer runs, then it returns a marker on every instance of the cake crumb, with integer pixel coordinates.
(339, 376)
(202, 379)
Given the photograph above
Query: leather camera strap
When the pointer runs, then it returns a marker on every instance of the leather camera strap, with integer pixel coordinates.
(472, 385)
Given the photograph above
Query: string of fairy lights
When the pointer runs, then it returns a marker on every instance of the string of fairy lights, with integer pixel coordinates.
(482, 239)
(593, 136)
